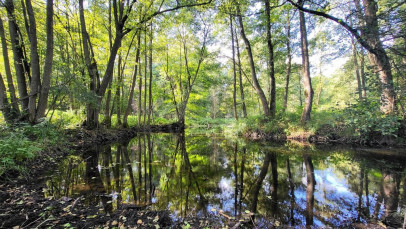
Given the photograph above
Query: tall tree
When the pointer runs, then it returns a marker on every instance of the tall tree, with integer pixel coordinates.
(271, 61)
(20, 62)
(307, 82)
(244, 108)
(289, 54)
(234, 70)
(10, 83)
(370, 40)
(133, 82)
(256, 84)
(47, 72)
(4, 104)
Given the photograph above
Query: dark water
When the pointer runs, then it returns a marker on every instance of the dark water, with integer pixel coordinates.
(288, 184)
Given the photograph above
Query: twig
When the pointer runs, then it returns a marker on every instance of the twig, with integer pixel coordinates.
(237, 225)
(31, 222)
(225, 215)
(43, 222)
(74, 203)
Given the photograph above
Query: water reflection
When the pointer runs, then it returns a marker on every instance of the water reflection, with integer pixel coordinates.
(202, 176)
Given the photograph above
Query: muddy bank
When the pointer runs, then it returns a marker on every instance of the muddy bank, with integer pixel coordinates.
(326, 136)
(83, 137)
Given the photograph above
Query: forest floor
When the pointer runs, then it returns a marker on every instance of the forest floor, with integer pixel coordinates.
(23, 203)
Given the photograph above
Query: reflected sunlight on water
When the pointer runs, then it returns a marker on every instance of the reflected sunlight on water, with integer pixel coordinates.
(200, 176)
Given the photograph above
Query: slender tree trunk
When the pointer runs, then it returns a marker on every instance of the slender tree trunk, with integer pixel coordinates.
(289, 69)
(140, 96)
(46, 78)
(274, 194)
(244, 108)
(150, 77)
(271, 62)
(307, 83)
(107, 117)
(234, 71)
(362, 72)
(118, 90)
(134, 80)
(356, 66)
(256, 84)
(300, 90)
(4, 105)
(18, 54)
(357, 73)
(15, 111)
(145, 75)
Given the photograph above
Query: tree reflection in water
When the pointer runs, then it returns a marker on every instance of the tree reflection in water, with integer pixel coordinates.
(199, 176)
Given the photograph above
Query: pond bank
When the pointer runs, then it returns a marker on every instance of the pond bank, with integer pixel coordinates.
(24, 205)
(326, 136)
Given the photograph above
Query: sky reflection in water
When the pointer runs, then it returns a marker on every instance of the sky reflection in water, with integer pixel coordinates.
(197, 175)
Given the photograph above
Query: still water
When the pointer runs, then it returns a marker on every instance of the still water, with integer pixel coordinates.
(283, 184)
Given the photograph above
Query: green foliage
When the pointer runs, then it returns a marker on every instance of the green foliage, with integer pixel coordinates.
(68, 119)
(14, 151)
(367, 120)
(22, 143)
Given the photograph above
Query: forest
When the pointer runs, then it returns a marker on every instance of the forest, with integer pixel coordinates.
(81, 81)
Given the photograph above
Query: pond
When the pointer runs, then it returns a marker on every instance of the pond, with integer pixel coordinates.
(282, 183)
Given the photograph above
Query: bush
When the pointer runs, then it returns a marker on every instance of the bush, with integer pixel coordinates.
(14, 151)
(21, 143)
(367, 120)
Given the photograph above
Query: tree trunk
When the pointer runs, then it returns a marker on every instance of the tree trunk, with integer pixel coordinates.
(234, 71)
(107, 116)
(307, 83)
(18, 54)
(92, 112)
(150, 77)
(145, 75)
(288, 71)
(370, 40)
(271, 62)
(134, 80)
(256, 84)
(379, 59)
(35, 84)
(362, 72)
(93, 108)
(15, 111)
(140, 96)
(311, 183)
(258, 183)
(244, 108)
(4, 105)
(300, 90)
(357, 70)
(118, 90)
(46, 78)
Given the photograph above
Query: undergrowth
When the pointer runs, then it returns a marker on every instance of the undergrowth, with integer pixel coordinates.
(21, 143)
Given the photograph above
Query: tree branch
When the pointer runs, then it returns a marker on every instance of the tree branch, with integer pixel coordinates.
(350, 29)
